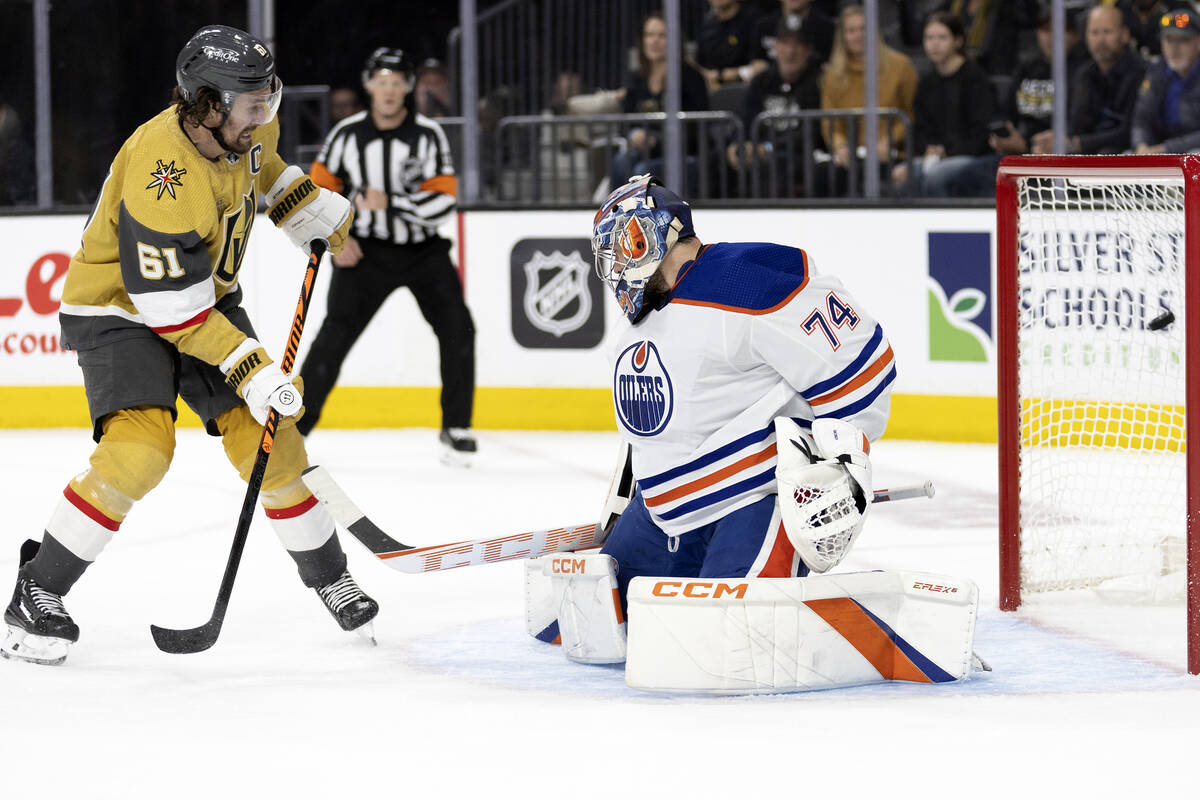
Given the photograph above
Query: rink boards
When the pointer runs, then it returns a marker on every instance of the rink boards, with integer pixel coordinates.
(544, 322)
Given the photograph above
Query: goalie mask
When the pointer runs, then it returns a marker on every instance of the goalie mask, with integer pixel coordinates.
(631, 234)
(238, 67)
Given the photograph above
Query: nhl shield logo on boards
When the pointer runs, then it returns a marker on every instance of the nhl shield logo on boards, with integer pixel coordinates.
(643, 395)
(557, 301)
(556, 296)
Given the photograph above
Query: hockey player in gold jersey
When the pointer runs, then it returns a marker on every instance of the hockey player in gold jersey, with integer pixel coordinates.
(152, 306)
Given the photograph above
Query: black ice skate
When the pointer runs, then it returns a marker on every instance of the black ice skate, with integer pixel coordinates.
(458, 446)
(39, 628)
(350, 606)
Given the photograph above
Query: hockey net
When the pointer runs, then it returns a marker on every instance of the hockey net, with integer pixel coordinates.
(1092, 262)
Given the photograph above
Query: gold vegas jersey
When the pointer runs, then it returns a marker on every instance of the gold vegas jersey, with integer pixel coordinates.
(165, 241)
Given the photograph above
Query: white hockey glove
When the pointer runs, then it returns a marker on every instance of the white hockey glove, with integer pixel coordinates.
(824, 488)
(305, 211)
(251, 373)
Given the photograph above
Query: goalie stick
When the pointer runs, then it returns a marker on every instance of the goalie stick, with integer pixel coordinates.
(472, 552)
(194, 640)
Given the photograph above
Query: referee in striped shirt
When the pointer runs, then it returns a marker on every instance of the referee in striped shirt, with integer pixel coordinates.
(396, 166)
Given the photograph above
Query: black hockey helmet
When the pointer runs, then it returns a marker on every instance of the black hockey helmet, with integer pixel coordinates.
(389, 58)
(231, 62)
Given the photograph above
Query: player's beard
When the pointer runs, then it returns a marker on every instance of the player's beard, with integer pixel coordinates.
(239, 142)
(656, 291)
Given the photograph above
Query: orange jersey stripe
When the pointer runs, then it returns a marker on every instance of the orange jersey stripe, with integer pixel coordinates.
(863, 378)
(779, 563)
(446, 184)
(845, 617)
(709, 480)
(321, 176)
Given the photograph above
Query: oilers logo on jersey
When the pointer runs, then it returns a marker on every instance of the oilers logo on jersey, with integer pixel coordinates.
(642, 391)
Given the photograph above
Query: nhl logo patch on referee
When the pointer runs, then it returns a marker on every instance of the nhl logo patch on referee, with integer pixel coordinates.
(557, 301)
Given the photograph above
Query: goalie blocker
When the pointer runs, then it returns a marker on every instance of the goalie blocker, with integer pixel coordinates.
(761, 635)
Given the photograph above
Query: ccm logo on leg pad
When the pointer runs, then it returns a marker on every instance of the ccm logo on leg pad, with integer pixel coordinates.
(699, 589)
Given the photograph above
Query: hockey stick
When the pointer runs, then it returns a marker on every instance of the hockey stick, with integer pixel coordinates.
(530, 544)
(194, 640)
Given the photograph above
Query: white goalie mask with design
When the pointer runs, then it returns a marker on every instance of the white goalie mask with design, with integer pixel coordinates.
(631, 234)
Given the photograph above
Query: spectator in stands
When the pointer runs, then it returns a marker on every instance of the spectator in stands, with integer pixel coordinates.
(1142, 18)
(343, 102)
(1102, 91)
(990, 28)
(951, 111)
(1166, 118)
(433, 89)
(17, 178)
(644, 94)
(1028, 109)
(842, 88)
(791, 83)
(800, 15)
(729, 46)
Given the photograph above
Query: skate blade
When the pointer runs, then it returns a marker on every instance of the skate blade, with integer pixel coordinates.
(456, 458)
(366, 632)
(20, 645)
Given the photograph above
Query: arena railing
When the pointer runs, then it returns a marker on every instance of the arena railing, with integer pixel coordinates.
(550, 161)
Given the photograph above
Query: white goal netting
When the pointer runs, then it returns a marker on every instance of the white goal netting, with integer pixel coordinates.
(1101, 376)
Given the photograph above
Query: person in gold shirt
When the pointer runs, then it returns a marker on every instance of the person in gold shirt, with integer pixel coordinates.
(842, 87)
(152, 306)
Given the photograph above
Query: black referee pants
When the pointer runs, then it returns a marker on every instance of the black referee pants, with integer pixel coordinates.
(356, 293)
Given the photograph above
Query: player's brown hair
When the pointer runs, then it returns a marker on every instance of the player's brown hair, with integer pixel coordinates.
(195, 110)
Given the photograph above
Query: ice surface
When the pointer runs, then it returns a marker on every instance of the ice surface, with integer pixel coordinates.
(1086, 700)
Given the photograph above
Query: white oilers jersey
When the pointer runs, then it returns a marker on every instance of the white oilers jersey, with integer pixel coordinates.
(750, 332)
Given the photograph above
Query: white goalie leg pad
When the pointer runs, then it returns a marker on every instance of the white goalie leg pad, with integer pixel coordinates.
(542, 599)
(764, 635)
(824, 485)
(590, 622)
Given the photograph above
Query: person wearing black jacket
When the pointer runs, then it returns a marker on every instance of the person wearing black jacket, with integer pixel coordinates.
(953, 106)
(791, 83)
(1103, 90)
(1027, 110)
(643, 94)
(799, 15)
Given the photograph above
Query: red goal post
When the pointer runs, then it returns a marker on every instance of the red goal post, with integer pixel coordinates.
(1093, 399)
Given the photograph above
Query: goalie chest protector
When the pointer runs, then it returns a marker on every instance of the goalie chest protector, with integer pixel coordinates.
(749, 332)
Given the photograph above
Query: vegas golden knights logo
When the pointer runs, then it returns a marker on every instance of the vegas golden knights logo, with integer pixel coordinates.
(236, 229)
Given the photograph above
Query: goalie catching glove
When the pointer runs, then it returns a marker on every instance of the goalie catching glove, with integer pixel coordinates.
(824, 488)
(305, 211)
(251, 373)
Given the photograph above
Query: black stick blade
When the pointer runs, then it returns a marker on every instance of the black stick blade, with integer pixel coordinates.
(192, 640)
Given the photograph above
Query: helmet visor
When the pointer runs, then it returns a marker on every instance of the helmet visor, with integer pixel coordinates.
(258, 107)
